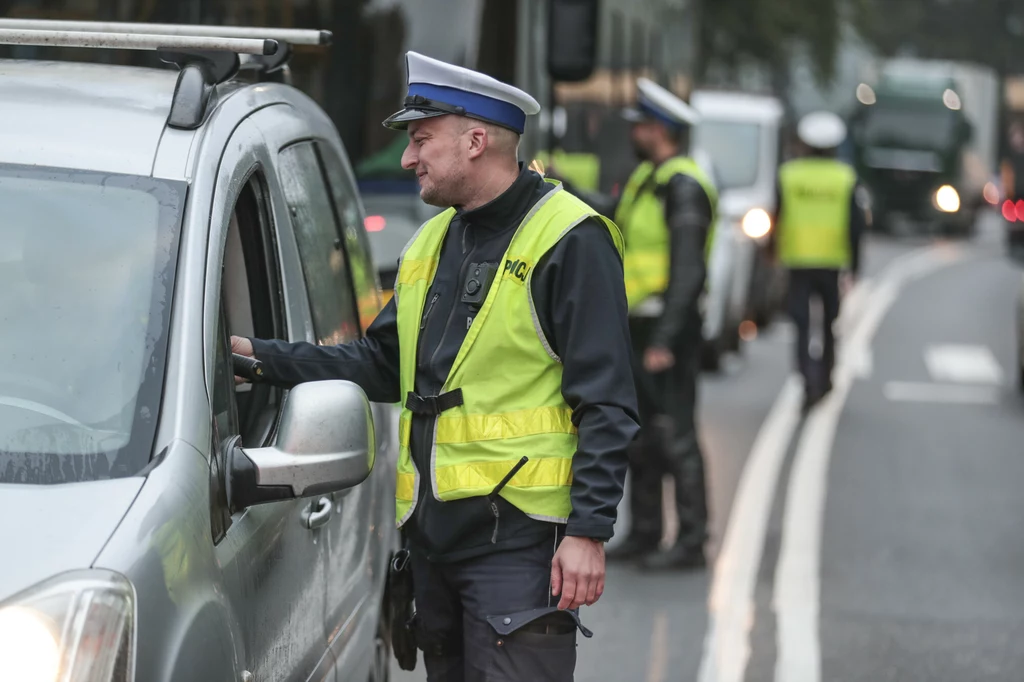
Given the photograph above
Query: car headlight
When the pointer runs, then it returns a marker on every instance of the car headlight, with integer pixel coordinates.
(756, 223)
(77, 627)
(947, 200)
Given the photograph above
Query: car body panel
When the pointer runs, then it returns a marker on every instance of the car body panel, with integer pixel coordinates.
(88, 116)
(43, 512)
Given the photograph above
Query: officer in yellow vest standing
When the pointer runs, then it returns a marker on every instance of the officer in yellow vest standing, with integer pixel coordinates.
(666, 213)
(817, 239)
(507, 343)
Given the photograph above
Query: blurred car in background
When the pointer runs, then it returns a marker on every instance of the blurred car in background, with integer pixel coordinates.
(391, 221)
(741, 133)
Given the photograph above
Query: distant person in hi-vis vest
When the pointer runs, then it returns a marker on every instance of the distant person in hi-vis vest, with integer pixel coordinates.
(507, 344)
(818, 227)
(666, 213)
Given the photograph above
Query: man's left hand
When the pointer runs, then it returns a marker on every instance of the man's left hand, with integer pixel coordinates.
(577, 572)
(658, 359)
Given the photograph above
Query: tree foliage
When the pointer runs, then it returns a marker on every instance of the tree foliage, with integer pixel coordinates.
(765, 33)
(989, 32)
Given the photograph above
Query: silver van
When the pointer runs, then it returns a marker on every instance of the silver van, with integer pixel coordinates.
(158, 522)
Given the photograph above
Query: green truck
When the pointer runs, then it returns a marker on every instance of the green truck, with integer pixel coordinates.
(923, 141)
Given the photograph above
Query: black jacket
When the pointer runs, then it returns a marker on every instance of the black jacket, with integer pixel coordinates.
(688, 216)
(580, 300)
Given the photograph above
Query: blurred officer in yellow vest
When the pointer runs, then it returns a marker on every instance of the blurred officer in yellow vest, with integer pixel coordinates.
(666, 213)
(817, 239)
(507, 343)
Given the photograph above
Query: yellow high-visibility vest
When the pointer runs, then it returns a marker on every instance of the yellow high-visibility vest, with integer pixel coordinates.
(641, 215)
(814, 220)
(510, 379)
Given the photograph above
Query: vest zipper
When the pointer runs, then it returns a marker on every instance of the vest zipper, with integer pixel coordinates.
(466, 253)
(430, 306)
(492, 498)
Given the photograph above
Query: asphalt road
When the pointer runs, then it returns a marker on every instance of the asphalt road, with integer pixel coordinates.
(876, 539)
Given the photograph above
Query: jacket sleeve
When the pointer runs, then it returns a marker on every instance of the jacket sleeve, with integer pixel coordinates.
(580, 297)
(605, 204)
(688, 214)
(370, 362)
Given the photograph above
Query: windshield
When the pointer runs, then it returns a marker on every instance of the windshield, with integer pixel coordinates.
(86, 275)
(909, 127)
(734, 149)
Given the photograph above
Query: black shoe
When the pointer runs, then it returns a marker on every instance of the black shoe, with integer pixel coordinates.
(632, 547)
(679, 557)
(811, 398)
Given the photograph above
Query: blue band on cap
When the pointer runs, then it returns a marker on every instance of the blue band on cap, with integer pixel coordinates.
(654, 112)
(496, 110)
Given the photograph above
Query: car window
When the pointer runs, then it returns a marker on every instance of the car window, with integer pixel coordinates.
(357, 244)
(252, 304)
(734, 148)
(321, 248)
(249, 305)
(87, 266)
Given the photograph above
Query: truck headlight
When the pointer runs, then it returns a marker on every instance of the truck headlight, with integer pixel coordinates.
(756, 223)
(77, 627)
(947, 200)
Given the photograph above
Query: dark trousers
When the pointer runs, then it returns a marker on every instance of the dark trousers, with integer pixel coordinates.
(493, 618)
(668, 442)
(803, 285)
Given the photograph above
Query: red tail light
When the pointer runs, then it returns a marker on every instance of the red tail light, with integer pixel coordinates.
(1009, 211)
(374, 223)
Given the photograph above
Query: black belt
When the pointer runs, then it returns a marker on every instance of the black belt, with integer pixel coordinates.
(433, 405)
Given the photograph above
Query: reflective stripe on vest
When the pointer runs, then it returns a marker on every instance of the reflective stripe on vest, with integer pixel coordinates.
(510, 378)
(814, 222)
(641, 216)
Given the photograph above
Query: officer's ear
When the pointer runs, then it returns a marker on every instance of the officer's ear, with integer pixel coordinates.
(479, 141)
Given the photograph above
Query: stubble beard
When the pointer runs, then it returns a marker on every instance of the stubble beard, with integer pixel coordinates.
(443, 191)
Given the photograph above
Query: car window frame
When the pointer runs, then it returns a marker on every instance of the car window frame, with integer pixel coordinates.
(254, 180)
(337, 235)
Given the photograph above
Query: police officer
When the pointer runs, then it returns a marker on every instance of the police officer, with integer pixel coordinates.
(817, 237)
(507, 343)
(666, 212)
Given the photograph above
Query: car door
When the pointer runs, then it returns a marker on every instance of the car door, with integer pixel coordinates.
(351, 218)
(335, 315)
(274, 565)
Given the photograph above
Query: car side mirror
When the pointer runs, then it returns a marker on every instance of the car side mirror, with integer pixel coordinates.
(572, 39)
(325, 443)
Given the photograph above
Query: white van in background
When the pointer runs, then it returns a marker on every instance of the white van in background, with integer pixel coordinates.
(741, 133)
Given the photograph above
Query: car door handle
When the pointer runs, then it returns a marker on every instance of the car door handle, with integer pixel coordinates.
(314, 518)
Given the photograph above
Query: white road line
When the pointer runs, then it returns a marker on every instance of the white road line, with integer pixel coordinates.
(964, 364)
(731, 602)
(924, 392)
(657, 665)
(797, 577)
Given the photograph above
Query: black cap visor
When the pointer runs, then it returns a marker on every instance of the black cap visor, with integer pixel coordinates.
(400, 120)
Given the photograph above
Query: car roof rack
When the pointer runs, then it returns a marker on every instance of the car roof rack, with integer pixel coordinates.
(206, 56)
(295, 36)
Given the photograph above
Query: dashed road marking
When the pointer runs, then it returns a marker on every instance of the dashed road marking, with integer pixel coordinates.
(963, 364)
(924, 392)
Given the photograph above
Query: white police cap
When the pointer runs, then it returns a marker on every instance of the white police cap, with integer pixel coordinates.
(437, 88)
(821, 130)
(655, 102)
